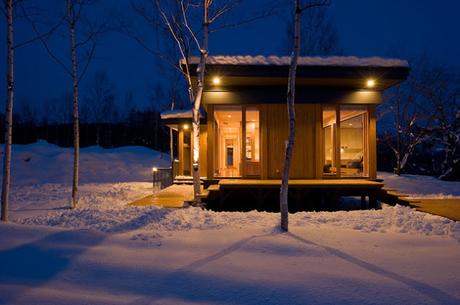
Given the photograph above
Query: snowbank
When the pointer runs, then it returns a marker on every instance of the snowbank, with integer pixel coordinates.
(345, 61)
(421, 186)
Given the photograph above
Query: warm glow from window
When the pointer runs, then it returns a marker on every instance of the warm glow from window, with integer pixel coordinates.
(216, 80)
(370, 83)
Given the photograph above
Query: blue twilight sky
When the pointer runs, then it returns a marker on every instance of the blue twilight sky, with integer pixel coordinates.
(388, 28)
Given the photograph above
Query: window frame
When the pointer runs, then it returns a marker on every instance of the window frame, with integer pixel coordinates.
(337, 142)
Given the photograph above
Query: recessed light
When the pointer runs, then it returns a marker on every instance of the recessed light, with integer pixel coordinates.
(216, 80)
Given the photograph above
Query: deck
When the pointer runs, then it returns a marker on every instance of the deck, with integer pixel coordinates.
(304, 194)
(302, 183)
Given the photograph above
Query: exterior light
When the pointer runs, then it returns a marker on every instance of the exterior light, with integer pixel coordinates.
(154, 169)
(370, 83)
(185, 127)
(216, 80)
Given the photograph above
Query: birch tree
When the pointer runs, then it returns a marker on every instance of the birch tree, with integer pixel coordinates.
(284, 209)
(9, 108)
(178, 24)
(86, 44)
(188, 24)
(10, 6)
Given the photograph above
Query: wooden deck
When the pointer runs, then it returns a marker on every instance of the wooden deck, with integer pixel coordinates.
(304, 194)
(303, 183)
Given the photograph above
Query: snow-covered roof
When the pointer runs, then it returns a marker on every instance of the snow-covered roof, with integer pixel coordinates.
(177, 114)
(344, 61)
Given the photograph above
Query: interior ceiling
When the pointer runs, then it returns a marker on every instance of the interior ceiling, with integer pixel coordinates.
(349, 118)
(230, 118)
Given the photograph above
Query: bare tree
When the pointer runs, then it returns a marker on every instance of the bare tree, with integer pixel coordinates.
(319, 34)
(188, 24)
(411, 115)
(291, 109)
(73, 15)
(9, 109)
(177, 21)
(441, 91)
(99, 103)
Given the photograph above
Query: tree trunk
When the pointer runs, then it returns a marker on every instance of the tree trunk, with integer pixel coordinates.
(197, 104)
(8, 112)
(398, 133)
(291, 117)
(76, 132)
(171, 140)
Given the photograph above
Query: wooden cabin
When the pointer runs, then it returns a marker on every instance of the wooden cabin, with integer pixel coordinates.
(245, 123)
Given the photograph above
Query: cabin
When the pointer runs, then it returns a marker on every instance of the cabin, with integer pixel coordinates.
(244, 124)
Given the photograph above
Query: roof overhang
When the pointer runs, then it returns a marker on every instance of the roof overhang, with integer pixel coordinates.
(181, 117)
(337, 72)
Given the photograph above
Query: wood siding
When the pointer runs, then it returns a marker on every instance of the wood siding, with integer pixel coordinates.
(372, 142)
(276, 133)
(203, 151)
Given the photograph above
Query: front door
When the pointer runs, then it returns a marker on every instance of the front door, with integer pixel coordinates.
(236, 141)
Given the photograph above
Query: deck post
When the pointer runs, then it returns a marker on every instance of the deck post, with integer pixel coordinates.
(363, 202)
(372, 200)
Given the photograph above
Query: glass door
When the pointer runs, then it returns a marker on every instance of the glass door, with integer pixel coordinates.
(236, 141)
(227, 145)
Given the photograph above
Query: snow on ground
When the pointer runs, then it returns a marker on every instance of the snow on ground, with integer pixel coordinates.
(421, 186)
(105, 252)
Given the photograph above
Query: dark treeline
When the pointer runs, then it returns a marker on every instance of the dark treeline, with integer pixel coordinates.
(143, 128)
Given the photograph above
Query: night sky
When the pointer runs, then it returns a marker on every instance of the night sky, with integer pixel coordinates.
(388, 28)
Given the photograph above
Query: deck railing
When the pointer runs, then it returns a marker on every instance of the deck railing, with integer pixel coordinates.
(162, 177)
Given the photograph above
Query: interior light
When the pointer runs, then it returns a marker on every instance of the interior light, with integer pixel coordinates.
(370, 83)
(216, 80)
(229, 116)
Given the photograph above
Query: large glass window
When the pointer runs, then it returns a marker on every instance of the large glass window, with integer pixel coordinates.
(353, 141)
(345, 140)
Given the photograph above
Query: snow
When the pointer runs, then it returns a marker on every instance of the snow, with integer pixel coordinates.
(422, 186)
(105, 252)
(345, 61)
(177, 114)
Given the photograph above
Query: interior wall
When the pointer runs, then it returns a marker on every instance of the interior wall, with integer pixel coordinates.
(203, 150)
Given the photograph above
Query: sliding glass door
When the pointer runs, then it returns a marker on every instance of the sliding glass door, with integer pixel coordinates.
(236, 141)
(345, 141)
